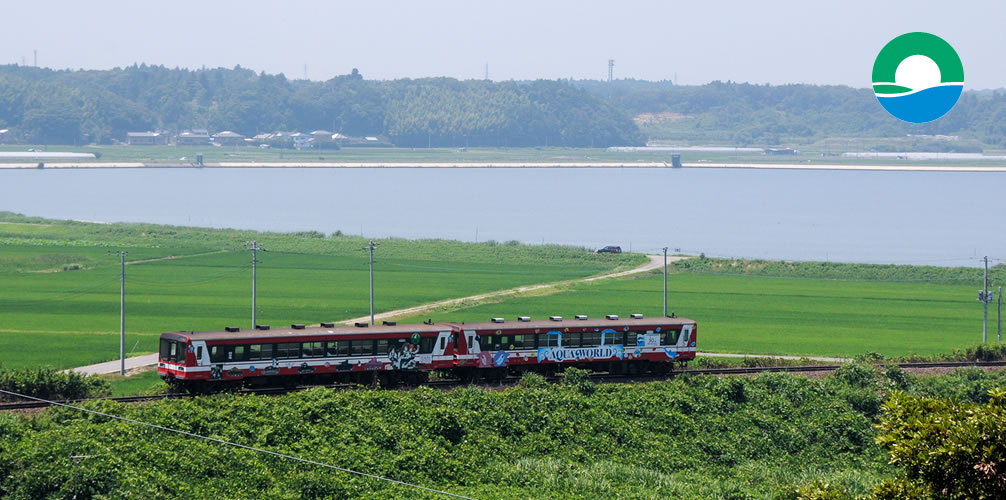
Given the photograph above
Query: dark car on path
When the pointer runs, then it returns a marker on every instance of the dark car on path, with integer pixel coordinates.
(610, 249)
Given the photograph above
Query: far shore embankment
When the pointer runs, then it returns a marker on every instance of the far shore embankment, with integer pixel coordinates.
(577, 165)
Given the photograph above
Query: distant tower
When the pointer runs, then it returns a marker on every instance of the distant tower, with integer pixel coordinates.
(611, 69)
(36, 57)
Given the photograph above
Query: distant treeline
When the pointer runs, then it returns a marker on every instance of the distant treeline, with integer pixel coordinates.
(72, 107)
(41, 105)
(742, 113)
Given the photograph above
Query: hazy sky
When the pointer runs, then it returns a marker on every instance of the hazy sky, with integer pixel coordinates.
(787, 41)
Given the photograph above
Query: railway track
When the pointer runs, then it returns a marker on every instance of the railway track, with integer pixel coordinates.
(512, 380)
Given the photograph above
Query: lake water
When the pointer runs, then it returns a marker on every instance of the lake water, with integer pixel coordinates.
(942, 218)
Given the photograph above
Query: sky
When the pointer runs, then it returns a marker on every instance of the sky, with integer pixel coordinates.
(777, 42)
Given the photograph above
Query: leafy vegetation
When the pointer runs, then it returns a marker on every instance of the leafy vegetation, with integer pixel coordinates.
(47, 383)
(945, 448)
(693, 437)
(741, 113)
(78, 107)
(770, 436)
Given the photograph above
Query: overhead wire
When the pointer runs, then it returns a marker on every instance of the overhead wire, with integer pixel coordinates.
(238, 445)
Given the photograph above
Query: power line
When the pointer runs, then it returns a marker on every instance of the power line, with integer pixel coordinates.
(236, 445)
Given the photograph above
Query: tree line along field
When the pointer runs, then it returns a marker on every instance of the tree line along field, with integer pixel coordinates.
(59, 290)
(784, 314)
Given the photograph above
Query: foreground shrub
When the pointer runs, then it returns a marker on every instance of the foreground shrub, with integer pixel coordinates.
(50, 384)
(957, 450)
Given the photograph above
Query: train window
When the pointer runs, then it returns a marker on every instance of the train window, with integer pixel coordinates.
(671, 337)
(616, 338)
(443, 344)
(426, 344)
(529, 342)
(165, 349)
(312, 350)
(517, 341)
(216, 353)
(548, 340)
(268, 351)
(362, 348)
(382, 347)
(240, 353)
(255, 352)
(486, 342)
(288, 350)
(199, 354)
(338, 348)
(503, 342)
(591, 338)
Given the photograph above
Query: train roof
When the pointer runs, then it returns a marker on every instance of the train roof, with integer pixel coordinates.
(312, 331)
(574, 323)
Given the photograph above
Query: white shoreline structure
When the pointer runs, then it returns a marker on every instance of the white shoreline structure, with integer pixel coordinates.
(581, 165)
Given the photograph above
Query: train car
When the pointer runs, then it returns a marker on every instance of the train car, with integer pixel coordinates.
(264, 356)
(408, 353)
(617, 345)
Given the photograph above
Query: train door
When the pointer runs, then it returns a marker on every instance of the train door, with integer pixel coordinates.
(201, 352)
(686, 335)
(472, 341)
(443, 340)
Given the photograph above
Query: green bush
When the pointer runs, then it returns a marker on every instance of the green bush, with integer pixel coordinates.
(579, 380)
(47, 383)
(956, 449)
(532, 380)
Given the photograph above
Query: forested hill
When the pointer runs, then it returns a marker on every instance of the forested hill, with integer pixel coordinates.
(41, 105)
(741, 113)
(70, 107)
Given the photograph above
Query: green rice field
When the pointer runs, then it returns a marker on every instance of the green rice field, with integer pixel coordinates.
(59, 294)
(777, 315)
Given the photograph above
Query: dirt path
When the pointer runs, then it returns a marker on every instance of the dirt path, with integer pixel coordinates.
(773, 356)
(655, 262)
(172, 257)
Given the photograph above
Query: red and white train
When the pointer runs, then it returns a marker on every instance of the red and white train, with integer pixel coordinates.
(394, 353)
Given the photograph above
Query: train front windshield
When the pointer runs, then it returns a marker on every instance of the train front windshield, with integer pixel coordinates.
(172, 351)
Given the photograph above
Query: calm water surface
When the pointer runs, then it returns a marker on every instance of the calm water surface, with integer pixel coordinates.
(884, 217)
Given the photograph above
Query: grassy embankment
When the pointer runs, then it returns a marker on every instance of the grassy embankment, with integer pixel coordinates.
(59, 290)
(773, 436)
(803, 309)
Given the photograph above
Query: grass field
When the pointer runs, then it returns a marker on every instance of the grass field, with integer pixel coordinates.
(68, 318)
(769, 315)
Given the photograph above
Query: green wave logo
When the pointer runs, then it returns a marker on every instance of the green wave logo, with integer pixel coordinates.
(918, 77)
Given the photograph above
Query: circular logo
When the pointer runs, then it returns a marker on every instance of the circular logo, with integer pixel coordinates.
(918, 77)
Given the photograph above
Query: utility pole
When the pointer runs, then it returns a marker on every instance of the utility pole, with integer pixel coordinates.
(665, 282)
(983, 295)
(1000, 315)
(254, 247)
(371, 247)
(122, 309)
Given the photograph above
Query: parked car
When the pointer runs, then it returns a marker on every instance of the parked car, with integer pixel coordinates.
(610, 249)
